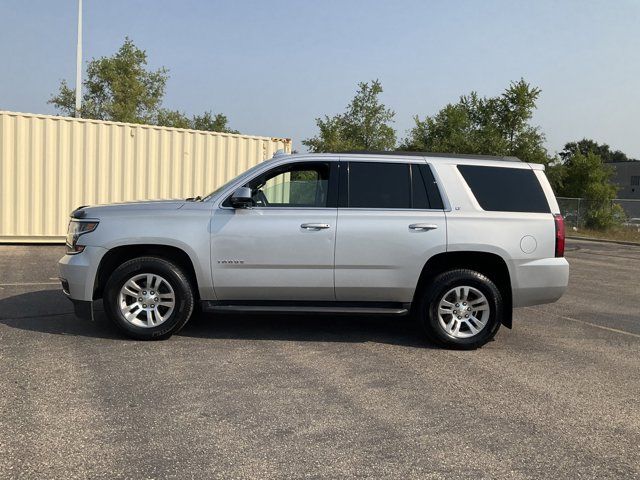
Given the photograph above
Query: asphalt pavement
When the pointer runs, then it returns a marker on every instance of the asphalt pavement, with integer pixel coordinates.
(322, 397)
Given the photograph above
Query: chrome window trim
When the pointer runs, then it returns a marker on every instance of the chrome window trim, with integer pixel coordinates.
(278, 208)
(408, 210)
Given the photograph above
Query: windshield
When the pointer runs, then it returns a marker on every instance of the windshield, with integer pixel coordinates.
(226, 185)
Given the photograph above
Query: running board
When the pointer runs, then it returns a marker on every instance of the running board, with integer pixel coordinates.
(227, 307)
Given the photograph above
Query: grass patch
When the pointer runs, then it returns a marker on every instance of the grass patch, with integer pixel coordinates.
(620, 233)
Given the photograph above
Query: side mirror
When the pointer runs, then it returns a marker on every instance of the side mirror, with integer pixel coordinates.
(242, 198)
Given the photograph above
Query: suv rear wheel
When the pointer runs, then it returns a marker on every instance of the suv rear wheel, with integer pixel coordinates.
(149, 298)
(461, 309)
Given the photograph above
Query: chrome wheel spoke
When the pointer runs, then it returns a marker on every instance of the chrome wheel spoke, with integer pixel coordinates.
(144, 311)
(465, 293)
(463, 311)
(456, 327)
(159, 316)
(472, 328)
(450, 326)
(458, 292)
(133, 286)
(478, 322)
(127, 290)
(478, 302)
(126, 309)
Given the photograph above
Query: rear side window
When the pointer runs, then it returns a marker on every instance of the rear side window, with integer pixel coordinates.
(392, 185)
(501, 189)
(435, 200)
(379, 185)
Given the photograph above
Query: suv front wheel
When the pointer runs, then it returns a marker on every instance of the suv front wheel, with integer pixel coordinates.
(461, 309)
(149, 298)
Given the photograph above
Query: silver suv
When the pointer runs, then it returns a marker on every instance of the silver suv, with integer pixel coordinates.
(456, 240)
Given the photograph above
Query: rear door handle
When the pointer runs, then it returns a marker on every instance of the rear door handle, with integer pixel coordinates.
(423, 226)
(315, 226)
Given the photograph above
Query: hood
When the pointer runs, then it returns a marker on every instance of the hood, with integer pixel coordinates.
(96, 211)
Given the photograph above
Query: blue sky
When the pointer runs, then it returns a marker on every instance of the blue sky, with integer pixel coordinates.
(273, 66)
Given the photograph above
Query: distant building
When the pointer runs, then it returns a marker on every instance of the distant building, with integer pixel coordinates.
(627, 178)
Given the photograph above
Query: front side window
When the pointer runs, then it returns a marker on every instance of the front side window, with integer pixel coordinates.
(293, 185)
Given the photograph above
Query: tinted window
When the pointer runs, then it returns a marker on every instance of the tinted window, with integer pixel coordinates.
(418, 189)
(379, 185)
(505, 189)
(435, 200)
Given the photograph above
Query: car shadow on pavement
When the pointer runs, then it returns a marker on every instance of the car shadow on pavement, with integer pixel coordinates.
(308, 328)
(48, 311)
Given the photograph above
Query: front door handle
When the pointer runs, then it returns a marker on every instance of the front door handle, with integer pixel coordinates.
(315, 226)
(423, 226)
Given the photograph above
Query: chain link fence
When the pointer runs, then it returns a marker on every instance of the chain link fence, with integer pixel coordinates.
(576, 210)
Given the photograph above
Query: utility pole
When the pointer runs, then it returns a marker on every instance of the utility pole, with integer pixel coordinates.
(79, 62)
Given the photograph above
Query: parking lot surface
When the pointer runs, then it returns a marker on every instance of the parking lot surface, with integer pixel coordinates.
(322, 397)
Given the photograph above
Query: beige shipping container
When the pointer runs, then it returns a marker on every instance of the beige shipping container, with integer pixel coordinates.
(51, 165)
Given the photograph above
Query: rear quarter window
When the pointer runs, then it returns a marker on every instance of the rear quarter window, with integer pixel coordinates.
(503, 189)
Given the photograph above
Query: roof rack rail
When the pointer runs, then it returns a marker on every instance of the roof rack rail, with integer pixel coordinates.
(432, 154)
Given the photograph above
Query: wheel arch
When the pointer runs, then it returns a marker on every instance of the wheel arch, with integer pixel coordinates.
(118, 255)
(491, 265)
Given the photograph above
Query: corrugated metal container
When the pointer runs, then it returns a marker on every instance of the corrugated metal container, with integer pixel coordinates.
(51, 165)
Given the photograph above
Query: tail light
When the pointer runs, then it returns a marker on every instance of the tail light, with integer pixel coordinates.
(559, 235)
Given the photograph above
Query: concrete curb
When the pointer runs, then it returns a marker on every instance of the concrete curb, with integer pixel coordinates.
(601, 240)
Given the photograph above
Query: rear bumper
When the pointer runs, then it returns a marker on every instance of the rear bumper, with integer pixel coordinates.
(540, 281)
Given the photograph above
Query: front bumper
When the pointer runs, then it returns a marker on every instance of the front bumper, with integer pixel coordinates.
(78, 273)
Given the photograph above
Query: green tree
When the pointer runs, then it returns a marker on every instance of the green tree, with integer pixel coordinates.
(585, 175)
(213, 123)
(207, 121)
(121, 88)
(363, 126)
(484, 125)
(172, 118)
(118, 88)
(602, 150)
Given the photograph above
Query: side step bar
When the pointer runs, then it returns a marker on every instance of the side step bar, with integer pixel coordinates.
(219, 307)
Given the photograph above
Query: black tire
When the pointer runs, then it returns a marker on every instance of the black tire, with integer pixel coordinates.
(177, 279)
(429, 302)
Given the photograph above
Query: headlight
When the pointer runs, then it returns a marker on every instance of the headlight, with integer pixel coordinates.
(77, 228)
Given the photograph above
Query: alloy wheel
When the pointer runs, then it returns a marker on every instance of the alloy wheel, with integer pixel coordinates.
(146, 300)
(463, 312)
